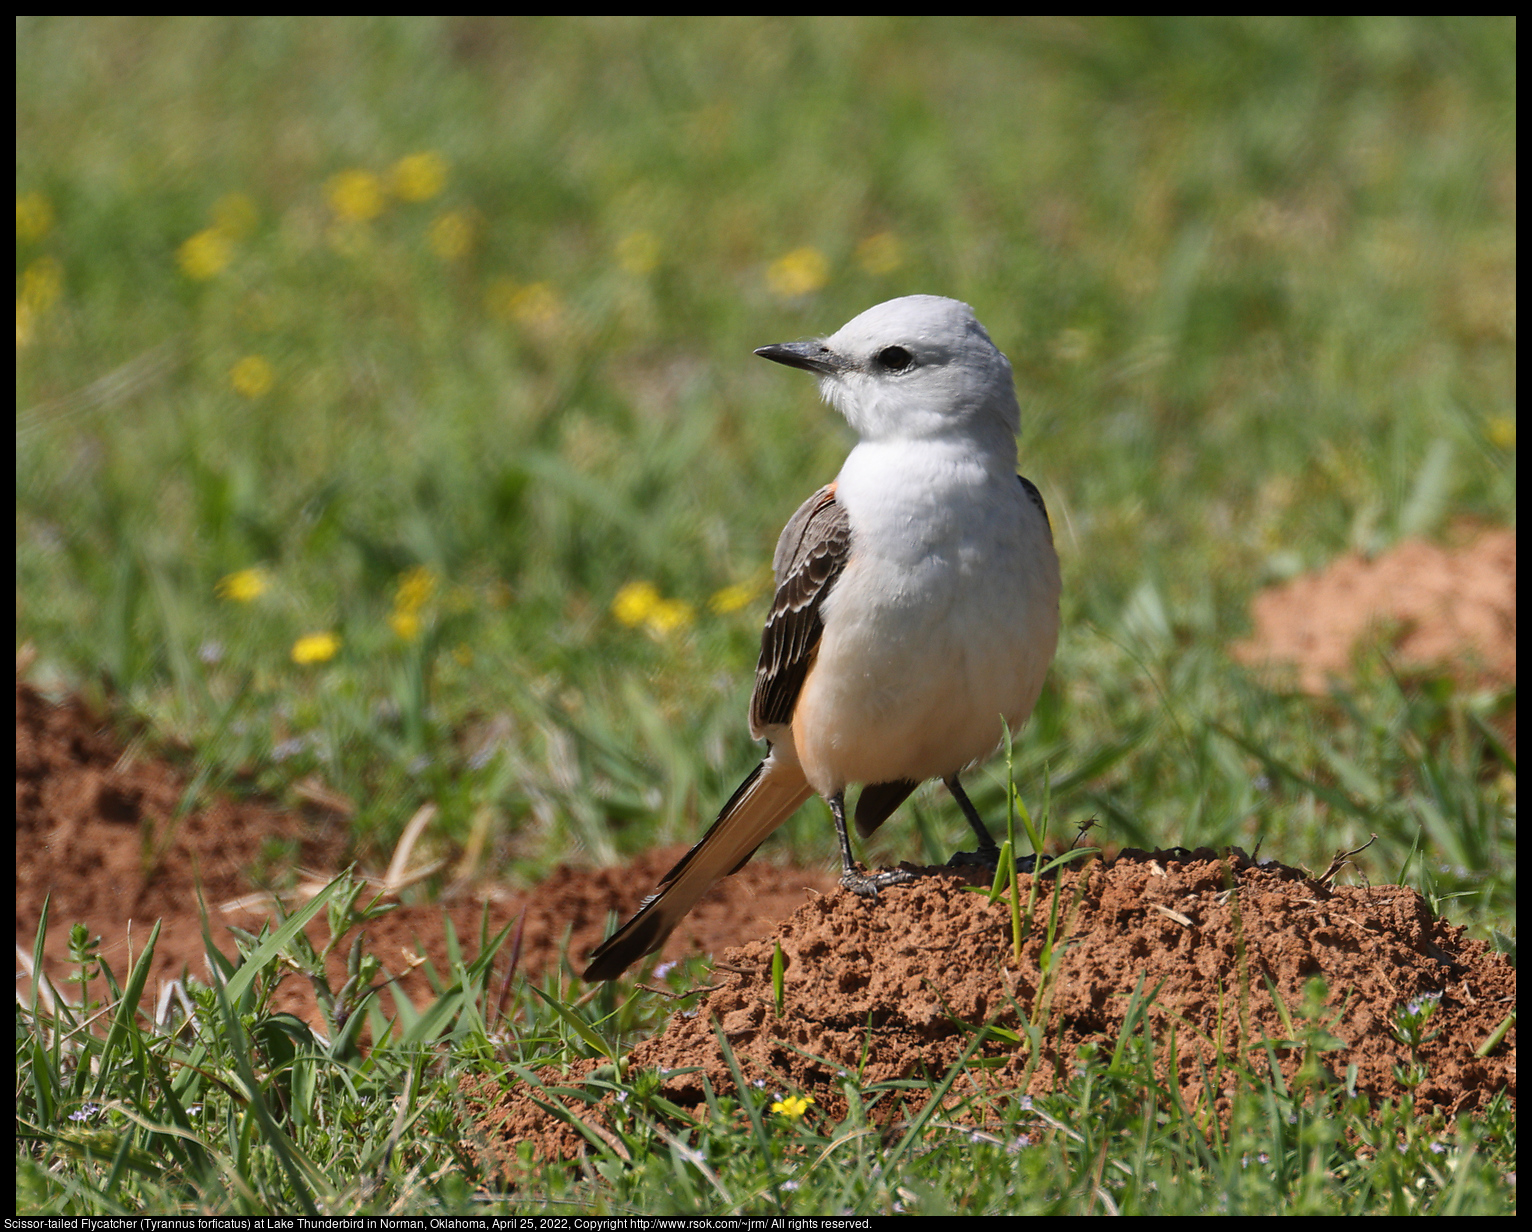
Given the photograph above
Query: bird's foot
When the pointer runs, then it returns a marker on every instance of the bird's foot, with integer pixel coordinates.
(984, 857)
(989, 857)
(868, 884)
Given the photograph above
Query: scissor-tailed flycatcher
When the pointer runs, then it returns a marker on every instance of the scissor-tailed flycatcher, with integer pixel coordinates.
(917, 602)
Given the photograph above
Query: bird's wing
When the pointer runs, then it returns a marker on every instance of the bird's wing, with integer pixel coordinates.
(1036, 498)
(811, 554)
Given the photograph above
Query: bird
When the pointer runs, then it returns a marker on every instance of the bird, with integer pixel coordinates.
(916, 609)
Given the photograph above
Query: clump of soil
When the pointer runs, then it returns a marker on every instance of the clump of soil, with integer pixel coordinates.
(886, 985)
(1433, 607)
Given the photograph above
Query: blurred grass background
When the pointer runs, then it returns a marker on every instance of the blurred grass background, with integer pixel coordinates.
(386, 408)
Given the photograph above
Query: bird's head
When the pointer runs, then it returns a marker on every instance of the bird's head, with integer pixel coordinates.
(916, 368)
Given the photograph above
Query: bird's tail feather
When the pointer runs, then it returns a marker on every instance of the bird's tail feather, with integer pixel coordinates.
(768, 797)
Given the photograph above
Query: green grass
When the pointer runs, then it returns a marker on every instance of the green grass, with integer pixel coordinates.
(1256, 277)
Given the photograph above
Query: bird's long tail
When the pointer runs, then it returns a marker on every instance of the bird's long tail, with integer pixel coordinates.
(768, 797)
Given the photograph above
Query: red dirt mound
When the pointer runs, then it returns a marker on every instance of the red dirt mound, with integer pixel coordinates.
(885, 986)
(1435, 607)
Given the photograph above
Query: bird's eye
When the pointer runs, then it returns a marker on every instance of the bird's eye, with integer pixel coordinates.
(895, 359)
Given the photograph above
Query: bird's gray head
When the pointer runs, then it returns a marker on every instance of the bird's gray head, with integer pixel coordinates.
(914, 368)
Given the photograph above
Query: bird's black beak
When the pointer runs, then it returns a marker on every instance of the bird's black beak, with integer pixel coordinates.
(811, 356)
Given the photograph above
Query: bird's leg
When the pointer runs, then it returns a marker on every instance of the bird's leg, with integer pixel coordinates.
(988, 853)
(865, 884)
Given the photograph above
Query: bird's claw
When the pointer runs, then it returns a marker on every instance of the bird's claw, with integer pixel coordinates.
(868, 884)
(989, 857)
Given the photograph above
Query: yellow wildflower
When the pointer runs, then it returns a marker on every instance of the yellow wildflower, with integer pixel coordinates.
(882, 253)
(634, 602)
(405, 622)
(640, 603)
(798, 273)
(451, 234)
(419, 177)
(638, 252)
(235, 215)
(731, 598)
(252, 376)
(243, 586)
(415, 589)
(34, 216)
(1502, 432)
(355, 195)
(205, 255)
(498, 297)
(42, 283)
(315, 648)
(668, 615)
(537, 304)
(794, 1106)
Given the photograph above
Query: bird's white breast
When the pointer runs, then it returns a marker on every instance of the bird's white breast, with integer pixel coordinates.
(945, 618)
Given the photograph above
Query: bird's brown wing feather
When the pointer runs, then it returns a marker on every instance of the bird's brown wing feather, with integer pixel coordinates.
(811, 554)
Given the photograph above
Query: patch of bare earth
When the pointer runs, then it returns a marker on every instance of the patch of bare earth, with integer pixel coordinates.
(882, 990)
(1433, 607)
(96, 830)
